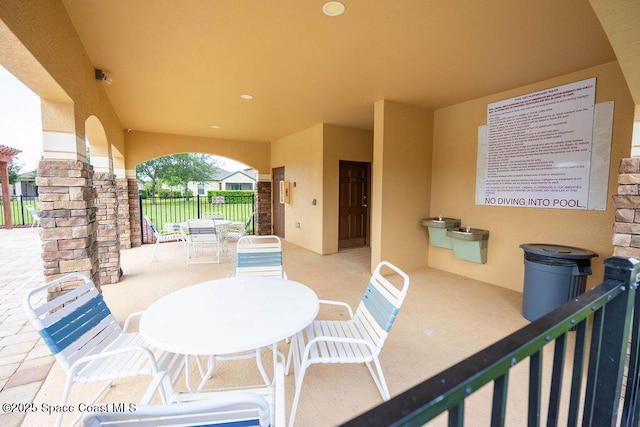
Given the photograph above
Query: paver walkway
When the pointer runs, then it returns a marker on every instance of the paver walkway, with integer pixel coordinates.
(24, 360)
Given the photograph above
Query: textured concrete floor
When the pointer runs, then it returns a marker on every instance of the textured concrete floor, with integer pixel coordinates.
(444, 319)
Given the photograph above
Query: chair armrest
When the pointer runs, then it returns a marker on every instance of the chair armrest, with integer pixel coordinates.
(127, 321)
(315, 340)
(106, 354)
(337, 303)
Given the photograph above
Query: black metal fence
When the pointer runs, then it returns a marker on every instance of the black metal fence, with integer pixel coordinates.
(234, 207)
(19, 214)
(603, 387)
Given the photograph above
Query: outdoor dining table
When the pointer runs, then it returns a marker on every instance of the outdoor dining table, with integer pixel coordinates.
(226, 316)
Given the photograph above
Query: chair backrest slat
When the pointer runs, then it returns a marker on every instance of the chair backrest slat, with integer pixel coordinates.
(253, 259)
(75, 323)
(68, 329)
(382, 309)
(259, 256)
(49, 312)
(237, 409)
(202, 230)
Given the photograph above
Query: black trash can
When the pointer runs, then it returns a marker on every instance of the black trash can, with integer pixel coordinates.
(553, 275)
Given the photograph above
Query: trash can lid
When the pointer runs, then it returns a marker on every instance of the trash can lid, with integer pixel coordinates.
(558, 251)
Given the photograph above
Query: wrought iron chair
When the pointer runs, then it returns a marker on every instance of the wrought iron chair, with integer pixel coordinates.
(162, 236)
(88, 342)
(357, 340)
(260, 256)
(256, 406)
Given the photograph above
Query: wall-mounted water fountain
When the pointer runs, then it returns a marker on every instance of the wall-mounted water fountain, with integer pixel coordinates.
(470, 244)
(437, 227)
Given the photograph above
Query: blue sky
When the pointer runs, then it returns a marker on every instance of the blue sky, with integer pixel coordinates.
(21, 123)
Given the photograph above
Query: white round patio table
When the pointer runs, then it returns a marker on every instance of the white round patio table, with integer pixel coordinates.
(230, 315)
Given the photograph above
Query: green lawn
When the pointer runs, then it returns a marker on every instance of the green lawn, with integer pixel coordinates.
(180, 210)
(160, 211)
(19, 213)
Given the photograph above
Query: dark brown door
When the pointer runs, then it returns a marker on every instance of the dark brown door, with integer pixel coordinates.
(354, 204)
(278, 208)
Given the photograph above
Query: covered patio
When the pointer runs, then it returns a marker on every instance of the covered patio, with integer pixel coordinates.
(445, 319)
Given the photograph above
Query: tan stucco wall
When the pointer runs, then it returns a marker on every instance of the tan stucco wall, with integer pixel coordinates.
(301, 156)
(454, 180)
(340, 143)
(402, 151)
(311, 159)
(46, 31)
(143, 146)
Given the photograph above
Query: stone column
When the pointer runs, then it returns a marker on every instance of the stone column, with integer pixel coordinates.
(134, 213)
(108, 236)
(124, 224)
(262, 217)
(67, 219)
(626, 237)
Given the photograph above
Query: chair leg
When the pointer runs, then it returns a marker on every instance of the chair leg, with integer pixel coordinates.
(379, 379)
(289, 358)
(296, 398)
(153, 257)
(63, 402)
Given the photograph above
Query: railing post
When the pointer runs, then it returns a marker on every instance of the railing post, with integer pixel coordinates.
(631, 408)
(611, 326)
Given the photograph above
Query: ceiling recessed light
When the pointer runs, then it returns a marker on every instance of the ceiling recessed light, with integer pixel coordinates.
(333, 8)
(246, 96)
(215, 126)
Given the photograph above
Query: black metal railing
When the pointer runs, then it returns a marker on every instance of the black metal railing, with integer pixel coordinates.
(19, 214)
(602, 380)
(180, 209)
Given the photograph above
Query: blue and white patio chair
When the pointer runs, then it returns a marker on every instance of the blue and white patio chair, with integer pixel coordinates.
(357, 340)
(162, 236)
(88, 342)
(259, 256)
(239, 407)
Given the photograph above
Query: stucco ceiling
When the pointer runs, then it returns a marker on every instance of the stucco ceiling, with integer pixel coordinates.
(180, 67)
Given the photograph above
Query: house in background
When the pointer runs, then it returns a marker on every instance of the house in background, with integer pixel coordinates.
(225, 180)
(26, 185)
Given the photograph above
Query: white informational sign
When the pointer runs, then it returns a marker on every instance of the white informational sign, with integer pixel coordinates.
(538, 149)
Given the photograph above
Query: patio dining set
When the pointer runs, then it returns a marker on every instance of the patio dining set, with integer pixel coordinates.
(205, 239)
(237, 317)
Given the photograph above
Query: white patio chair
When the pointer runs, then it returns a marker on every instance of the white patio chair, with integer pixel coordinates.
(259, 256)
(162, 236)
(238, 407)
(35, 217)
(88, 342)
(357, 340)
(202, 235)
(236, 230)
